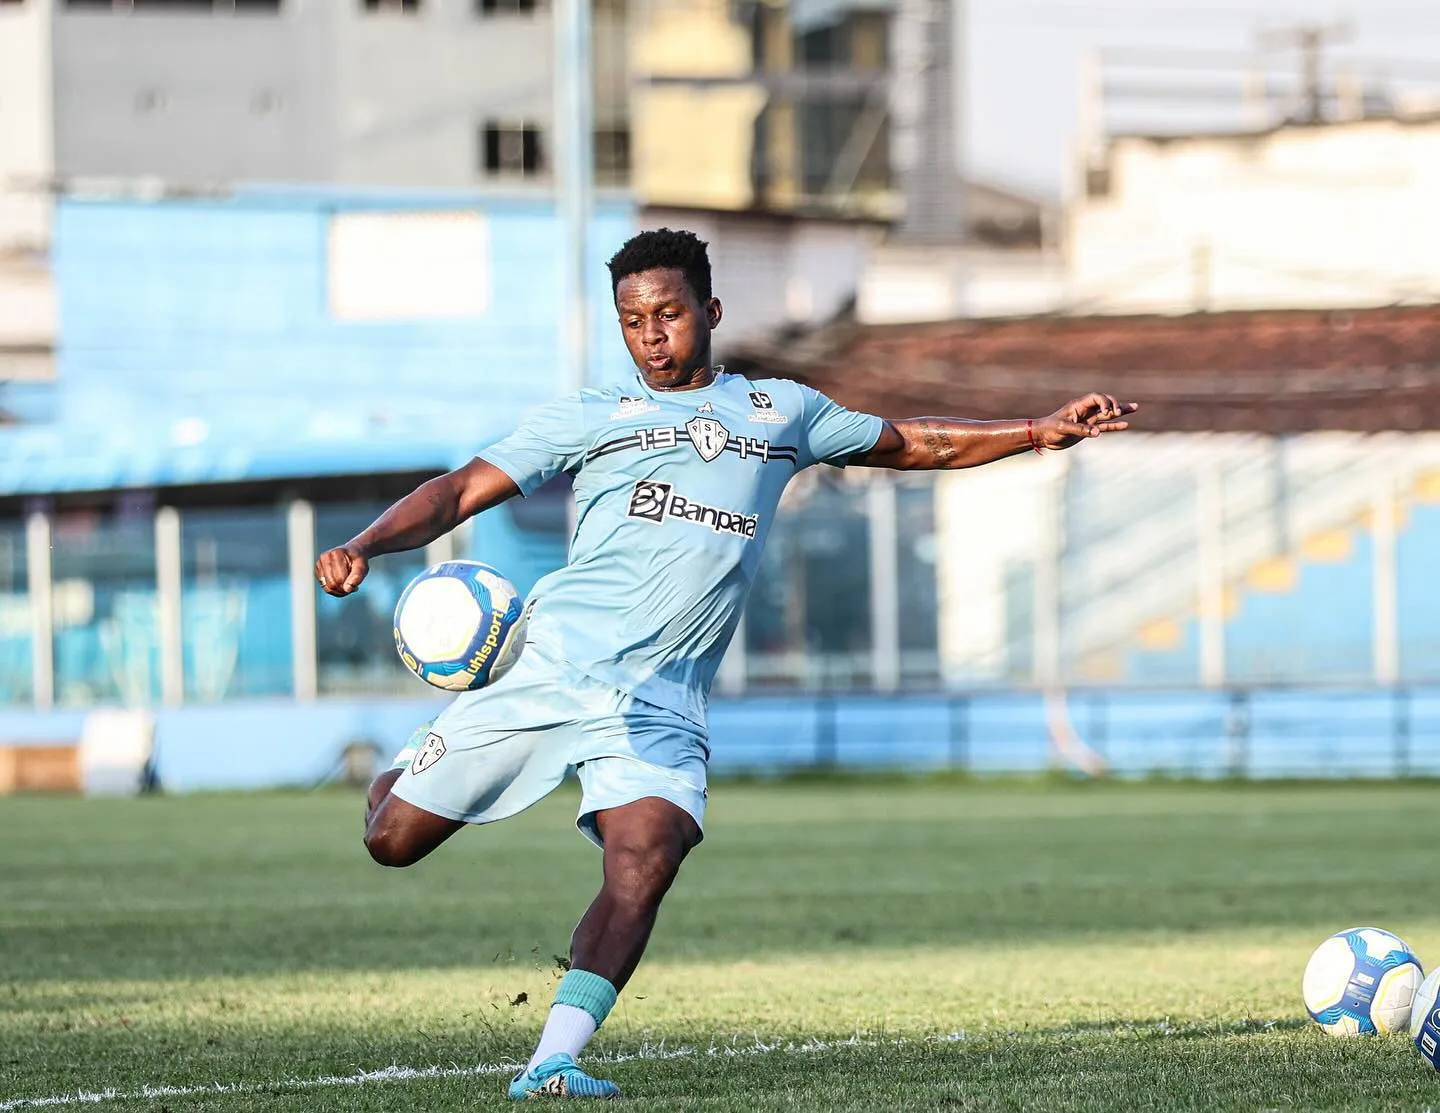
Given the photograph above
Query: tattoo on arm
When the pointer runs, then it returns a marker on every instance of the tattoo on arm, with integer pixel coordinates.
(416, 520)
(939, 442)
(439, 519)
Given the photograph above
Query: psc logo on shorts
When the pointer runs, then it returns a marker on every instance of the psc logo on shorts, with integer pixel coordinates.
(431, 752)
(652, 501)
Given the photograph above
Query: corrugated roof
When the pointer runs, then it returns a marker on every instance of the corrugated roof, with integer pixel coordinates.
(1277, 371)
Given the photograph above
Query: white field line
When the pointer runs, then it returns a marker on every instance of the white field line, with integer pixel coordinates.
(652, 1052)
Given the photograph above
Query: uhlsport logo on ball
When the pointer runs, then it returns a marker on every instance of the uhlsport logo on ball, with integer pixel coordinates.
(458, 625)
(1362, 982)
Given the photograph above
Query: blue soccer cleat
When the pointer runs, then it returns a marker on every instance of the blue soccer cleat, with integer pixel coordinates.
(560, 1077)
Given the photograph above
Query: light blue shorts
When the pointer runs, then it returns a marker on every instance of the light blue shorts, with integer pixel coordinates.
(494, 752)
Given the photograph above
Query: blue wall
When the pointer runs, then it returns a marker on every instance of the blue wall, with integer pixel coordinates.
(218, 310)
(1261, 733)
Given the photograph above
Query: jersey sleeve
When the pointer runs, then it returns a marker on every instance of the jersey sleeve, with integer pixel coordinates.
(832, 434)
(548, 441)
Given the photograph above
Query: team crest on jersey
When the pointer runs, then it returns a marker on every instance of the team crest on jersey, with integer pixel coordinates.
(708, 436)
(431, 752)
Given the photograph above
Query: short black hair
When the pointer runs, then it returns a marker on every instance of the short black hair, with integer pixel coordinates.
(661, 247)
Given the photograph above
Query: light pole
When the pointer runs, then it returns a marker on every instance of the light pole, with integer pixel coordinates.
(575, 184)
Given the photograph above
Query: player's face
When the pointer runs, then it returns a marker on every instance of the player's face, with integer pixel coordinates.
(666, 328)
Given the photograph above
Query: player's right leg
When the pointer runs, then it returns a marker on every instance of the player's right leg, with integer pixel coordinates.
(490, 754)
(397, 833)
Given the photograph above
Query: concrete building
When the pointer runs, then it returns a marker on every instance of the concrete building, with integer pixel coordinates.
(27, 299)
(713, 104)
(1299, 216)
(442, 94)
(777, 107)
(1336, 215)
(1009, 263)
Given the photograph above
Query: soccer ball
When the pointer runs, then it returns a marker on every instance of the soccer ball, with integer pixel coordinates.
(1425, 1020)
(457, 625)
(1361, 982)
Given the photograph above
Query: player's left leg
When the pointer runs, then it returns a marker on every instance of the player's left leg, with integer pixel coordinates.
(645, 842)
(644, 839)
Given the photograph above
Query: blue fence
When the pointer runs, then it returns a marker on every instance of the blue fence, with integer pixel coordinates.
(1241, 732)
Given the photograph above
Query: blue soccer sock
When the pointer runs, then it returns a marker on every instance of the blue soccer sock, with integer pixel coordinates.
(582, 1002)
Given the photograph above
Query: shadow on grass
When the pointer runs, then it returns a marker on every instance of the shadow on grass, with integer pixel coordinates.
(234, 885)
(1143, 1064)
(1104, 1071)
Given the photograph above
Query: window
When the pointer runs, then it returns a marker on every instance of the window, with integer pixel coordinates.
(179, 5)
(16, 656)
(818, 552)
(508, 7)
(511, 150)
(266, 102)
(824, 46)
(235, 602)
(612, 155)
(918, 582)
(103, 597)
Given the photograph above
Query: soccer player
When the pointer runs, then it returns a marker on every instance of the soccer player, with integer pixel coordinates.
(677, 475)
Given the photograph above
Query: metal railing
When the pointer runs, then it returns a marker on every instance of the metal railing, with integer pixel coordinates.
(1115, 578)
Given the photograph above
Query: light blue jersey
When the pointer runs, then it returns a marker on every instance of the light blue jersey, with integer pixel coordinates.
(675, 492)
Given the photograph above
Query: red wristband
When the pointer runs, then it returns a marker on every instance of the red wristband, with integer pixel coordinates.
(1030, 435)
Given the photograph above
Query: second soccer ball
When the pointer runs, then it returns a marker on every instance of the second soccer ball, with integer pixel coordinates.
(1362, 982)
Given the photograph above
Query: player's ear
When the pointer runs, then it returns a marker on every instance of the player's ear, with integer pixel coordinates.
(714, 311)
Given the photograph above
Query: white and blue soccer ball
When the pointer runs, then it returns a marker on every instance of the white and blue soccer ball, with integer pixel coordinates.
(1425, 1020)
(1362, 982)
(458, 625)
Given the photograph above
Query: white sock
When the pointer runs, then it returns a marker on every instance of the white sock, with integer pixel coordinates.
(568, 1029)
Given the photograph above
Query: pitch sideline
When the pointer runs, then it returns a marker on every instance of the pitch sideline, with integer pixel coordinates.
(657, 1053)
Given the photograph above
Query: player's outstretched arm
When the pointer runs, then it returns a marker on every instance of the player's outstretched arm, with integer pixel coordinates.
(925, 443)
(432, 510)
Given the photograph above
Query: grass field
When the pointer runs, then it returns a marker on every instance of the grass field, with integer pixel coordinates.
(831, 947)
